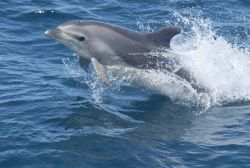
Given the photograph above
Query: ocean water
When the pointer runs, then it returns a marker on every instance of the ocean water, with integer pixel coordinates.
(52, 114)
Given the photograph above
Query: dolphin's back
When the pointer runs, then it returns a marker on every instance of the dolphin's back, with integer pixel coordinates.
(158, 38)
(133, 47)
(118, 29)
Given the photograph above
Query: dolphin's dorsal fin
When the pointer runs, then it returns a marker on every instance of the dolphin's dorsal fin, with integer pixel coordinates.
(84, 63)
(100, 71)
(163, 36)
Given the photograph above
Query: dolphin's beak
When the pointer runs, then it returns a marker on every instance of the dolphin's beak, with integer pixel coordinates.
(53, 33)
(57, 34)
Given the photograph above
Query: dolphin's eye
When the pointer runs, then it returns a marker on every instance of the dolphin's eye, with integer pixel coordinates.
(81, 38)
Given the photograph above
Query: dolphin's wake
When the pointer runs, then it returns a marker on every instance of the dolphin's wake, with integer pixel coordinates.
(221, 67)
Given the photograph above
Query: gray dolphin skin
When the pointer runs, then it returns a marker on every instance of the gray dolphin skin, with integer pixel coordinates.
(107, 44)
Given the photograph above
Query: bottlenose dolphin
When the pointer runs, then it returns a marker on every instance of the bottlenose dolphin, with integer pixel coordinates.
(107, 44)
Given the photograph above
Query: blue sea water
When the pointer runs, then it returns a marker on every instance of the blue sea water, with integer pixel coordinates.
(52, 114)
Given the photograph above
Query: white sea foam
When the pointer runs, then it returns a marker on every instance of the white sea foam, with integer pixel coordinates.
(218, 65)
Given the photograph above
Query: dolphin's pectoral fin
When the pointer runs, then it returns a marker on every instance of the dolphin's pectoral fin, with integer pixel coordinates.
(99, 68)
(84, 63)
(162, 37)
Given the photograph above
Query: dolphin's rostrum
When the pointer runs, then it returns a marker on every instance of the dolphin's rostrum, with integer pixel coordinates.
(107, 44)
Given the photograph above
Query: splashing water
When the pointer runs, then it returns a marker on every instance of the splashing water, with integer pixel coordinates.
(72, 69)
(221, 67)
(218, 65)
